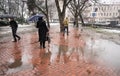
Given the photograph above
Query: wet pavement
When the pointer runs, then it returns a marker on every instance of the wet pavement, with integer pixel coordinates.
(82, 53)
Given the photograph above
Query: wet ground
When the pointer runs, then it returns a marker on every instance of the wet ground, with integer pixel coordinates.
(82, 53)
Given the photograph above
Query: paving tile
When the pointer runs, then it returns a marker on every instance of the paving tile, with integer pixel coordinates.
(64, 56)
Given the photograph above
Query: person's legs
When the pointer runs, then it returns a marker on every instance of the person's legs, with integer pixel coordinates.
(17, 35)
(63, 30)
(67, 30)
(14, 35)
(43, 44)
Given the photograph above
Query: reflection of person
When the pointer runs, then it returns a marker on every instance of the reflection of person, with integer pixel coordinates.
(45, 57)
(65, 22)
(14, 26)
(42, 31)
(17, 57)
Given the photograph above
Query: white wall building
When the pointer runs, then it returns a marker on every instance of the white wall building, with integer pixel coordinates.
(103, 12)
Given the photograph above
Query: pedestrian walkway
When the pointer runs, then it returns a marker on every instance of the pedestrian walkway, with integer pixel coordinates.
(64, 56)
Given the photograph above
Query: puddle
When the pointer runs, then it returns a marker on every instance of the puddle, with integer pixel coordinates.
(18, 69)
(111, 30)
(105, 50)
(63, 54)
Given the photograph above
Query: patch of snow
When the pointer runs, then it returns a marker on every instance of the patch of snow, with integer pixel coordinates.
(111, 30)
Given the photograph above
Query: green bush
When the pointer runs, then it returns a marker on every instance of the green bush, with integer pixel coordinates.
(4, 23)
(20, 20)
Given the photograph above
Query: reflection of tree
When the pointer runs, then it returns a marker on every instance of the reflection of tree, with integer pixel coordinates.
(79, 44)
(63, 53)
(77, 53)
(92, 44)
(17, 56)
(63, 49)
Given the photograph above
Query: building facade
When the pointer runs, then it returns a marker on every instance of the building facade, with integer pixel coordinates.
(103, 12)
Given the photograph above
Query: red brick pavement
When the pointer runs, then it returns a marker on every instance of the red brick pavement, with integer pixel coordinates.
(63, 57)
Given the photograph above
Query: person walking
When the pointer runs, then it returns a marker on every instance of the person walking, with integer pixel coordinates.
(42, 31)
(14, 26)
(65, 22)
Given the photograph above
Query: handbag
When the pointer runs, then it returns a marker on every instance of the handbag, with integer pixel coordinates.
(48, 38)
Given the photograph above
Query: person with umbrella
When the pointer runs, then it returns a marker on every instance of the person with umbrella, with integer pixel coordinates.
(14, 26)
(42, 31)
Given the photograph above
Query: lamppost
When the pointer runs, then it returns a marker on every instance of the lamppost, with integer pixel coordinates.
(94, 14)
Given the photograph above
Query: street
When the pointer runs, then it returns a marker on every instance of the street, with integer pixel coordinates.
(82, 53)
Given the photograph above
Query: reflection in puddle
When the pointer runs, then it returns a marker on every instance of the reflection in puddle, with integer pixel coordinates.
(106, 50)
(20, 61)
(16, 63)
(26, 57)
(21, 68)
(63, 53)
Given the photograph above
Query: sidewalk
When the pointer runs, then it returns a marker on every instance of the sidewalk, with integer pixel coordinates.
(65, 56)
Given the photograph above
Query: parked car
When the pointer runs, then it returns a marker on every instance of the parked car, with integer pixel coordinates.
(113, 23)
(103, 23)
(117, 25)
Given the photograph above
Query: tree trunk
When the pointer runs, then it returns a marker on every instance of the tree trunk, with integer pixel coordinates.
(47, 15)
(81, 18)
(61, 14)
(76, 19)
(61, 19)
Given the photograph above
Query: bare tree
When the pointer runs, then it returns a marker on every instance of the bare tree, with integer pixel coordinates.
(2, 6)
(43, 9)
(11, 7)
(31, 6)
(77, 7)
(40, 6)
(61, 11)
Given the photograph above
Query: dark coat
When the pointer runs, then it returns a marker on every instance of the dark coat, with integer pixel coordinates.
(42, 30)
(13, 24)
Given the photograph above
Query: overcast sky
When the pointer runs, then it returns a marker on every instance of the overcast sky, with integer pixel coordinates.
(110, 1)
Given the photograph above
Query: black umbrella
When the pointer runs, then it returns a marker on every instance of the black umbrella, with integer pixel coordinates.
(34, 18)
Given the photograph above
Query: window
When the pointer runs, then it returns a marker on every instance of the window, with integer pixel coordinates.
(101, 14)
(110, 14)
(104, 14)
(116, 14)
(113, 14)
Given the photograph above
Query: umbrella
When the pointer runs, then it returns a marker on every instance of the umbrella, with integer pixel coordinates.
(34, 18)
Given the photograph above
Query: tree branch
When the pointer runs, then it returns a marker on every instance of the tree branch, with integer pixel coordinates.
(41, 10)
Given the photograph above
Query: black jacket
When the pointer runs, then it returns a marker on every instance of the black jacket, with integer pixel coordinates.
(41, 25)
(13, 24)
(42, 30)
